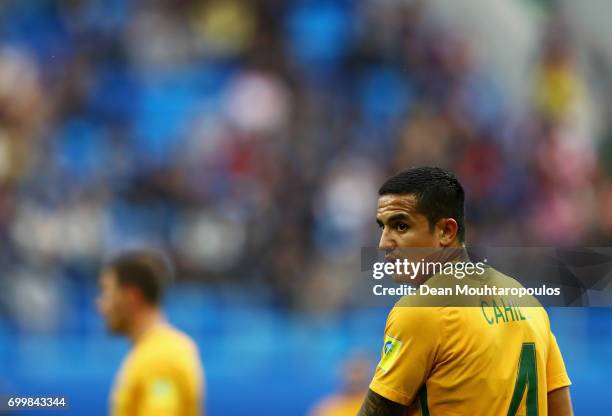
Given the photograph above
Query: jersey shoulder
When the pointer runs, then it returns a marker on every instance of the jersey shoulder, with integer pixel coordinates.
(167, 346)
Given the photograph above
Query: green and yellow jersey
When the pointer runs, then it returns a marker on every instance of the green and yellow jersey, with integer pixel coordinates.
(162, 375)
(493, 359)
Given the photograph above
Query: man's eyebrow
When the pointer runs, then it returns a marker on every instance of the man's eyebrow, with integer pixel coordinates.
(396, 217)
(399, 217)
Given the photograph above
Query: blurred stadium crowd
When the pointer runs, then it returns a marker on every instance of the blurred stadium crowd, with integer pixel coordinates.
(248, 138)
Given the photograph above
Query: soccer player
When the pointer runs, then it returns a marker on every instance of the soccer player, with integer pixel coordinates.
(456, 360)
(162, 375)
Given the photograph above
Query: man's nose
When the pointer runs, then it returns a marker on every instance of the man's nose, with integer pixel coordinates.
(386, 241)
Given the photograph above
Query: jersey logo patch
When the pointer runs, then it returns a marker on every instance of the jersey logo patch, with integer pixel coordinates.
(162, 395)
(390, 352)
(161, 388)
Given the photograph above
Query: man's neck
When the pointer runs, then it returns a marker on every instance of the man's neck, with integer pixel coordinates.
(442, 255)
(144, 322)
(456, 252)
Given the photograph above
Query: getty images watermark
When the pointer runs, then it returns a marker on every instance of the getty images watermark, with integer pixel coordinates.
(415, 277)
(467, 276)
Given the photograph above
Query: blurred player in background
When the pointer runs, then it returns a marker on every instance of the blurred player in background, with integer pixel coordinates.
(355, 377)
(162, 375)
(454, 360)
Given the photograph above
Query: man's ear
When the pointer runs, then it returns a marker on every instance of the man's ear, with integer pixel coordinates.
(448, 228)
(132, 295)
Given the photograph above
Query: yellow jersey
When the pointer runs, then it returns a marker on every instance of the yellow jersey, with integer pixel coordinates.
(162, 375)
(495, 359)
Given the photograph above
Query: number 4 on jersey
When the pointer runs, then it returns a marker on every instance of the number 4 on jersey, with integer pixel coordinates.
(527, 378)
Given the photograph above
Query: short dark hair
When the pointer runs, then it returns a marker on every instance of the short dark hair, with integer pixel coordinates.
(438, 193)
(148, 270)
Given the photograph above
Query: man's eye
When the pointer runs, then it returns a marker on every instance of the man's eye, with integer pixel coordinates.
(401, 226)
